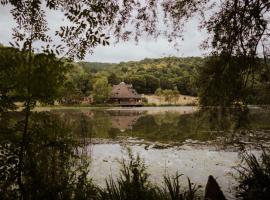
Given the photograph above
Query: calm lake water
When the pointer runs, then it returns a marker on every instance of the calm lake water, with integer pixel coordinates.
(185, 139)
(168, 125)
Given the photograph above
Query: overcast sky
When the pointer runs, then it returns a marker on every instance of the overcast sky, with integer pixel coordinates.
(123, 51)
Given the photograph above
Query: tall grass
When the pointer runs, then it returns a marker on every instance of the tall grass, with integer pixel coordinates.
(133, 184)
(173, 189)
(254, 176)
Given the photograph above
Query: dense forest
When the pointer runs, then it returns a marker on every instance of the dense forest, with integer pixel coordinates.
(193, 76)
(205, 78)
(150, 74)
(146, 76)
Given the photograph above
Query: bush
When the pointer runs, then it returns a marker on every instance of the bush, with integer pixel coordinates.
(254, 176)
(173, 190)
(133, 184)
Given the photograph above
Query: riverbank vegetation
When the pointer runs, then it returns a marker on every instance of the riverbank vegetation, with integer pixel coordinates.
(39, 158)
(57, 166)
(171, 77)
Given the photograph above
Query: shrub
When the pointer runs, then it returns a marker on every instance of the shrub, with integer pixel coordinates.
(133, 184)
(254, 176)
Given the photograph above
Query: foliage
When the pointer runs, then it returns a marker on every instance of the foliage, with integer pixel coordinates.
(52, 167)
(237, 29)
(113, 79)
(168, 95)
(55, 168)
(148, 75)
(151, 83)
(39, 82)
(7, 80)
(82, 33)
(220, 82)
(94, 67)
(76, 86)
(138, 82)
(225, 81)
(101, 90)
(90, 23)
(217, 80)
(133, 184)
(159, 93)
(254, 176)
(173, 189)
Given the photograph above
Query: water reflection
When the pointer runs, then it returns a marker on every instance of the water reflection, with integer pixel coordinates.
(57, 151)
(174, 125)
(124, 120)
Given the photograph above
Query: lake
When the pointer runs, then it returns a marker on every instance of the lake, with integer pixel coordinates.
(194, 142)
(62, 142)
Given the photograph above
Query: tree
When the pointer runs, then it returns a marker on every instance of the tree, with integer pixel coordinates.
(168, 95)
(182, 86)
(138, 83)
(41, 83)
(227, 84)
(84, 84)
(70, 94)
(101, 90)
(113, 79)
(52, 169)
(151, 83)
(29, 78)
(88, 22)
(236, 27)
(159, 94)
(166, 84)
(175, 95)
(172, 71)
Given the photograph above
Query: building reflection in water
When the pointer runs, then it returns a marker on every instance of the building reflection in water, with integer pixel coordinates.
(124, 119)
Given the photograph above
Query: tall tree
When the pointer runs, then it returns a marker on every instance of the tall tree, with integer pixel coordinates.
(29, 78)
(101, 90)
(113, 79)
(151, 83)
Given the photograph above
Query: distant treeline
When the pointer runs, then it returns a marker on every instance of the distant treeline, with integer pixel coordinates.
(148, 75)
(213, 79)
(216, 80)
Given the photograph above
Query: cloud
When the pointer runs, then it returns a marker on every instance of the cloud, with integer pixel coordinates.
(149, 48)
(122, 51)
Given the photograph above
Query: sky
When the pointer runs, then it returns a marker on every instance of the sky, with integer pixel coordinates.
(122, 51)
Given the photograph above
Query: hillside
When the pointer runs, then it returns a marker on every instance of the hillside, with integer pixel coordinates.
(95, 66)
(149, 74)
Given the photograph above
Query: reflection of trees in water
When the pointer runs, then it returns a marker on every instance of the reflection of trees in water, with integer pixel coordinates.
(52, 167)
(99, 123)
(222, 119)
(86, 124)
(171, 118)
(206, 124)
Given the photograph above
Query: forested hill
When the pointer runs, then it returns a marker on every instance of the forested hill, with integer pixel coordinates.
(93, 67)
(149, 74)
